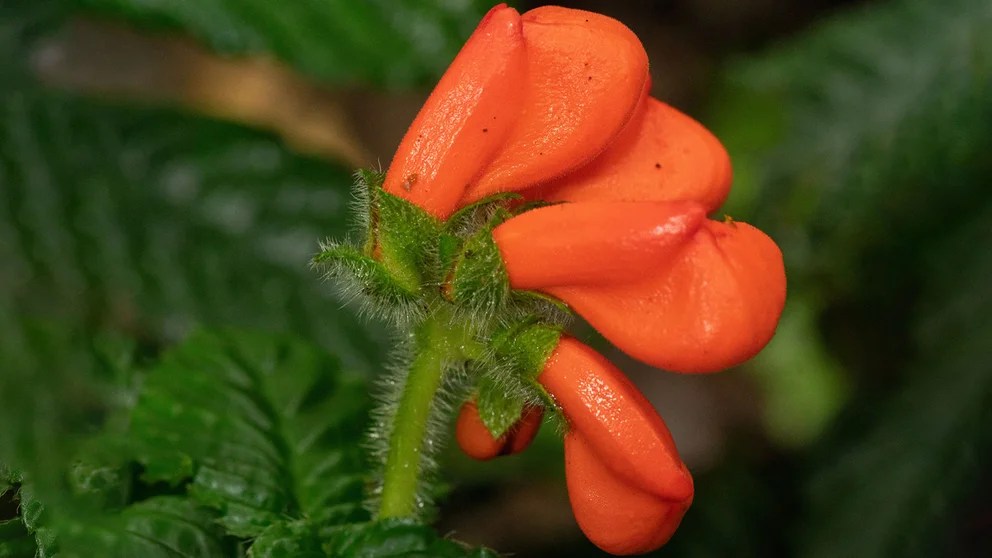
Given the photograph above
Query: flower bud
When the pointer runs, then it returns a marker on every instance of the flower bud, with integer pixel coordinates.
(478, 443)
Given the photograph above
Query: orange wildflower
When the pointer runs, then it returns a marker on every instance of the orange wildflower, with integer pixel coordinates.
(554, 105)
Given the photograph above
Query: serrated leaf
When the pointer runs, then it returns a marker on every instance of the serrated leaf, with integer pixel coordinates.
(394, 539)
(163, 221)
(287, 540)
(394, 42)
(262, 428)
(160, 527)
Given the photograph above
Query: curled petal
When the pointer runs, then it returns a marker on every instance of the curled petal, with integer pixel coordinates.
(585, 76)
(715, 306)
(628, 486)
(478, 443)
(616, 516)
(594, 243)
(661, 155)
(466, 119)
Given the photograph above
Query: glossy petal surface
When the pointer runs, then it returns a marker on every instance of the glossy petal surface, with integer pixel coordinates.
(661, 155)
(614, 514)
(715, 307)
(615, 420)
(594, 243)
(585, 76)
(467, 119)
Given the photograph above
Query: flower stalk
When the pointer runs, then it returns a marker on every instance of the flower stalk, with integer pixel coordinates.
(439, 345)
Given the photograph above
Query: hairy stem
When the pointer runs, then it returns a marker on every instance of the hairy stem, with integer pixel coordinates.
(437, 345)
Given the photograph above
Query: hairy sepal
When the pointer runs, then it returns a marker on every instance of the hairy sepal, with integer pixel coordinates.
(507, 385)
(366, 281)
(403, 237)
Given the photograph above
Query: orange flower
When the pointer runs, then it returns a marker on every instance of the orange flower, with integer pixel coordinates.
(554, 105)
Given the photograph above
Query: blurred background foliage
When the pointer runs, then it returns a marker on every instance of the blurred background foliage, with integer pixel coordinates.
(170, 166)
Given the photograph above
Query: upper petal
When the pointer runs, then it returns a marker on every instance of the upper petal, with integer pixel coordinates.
(662, 154)
(467, 118)
(585, 76)
(715, 306)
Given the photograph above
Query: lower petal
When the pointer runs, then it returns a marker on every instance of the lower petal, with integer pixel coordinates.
(615, 515)
(715, 307)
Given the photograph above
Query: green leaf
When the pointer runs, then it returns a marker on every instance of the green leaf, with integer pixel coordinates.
(160, 527)
(156, 220)
(875, 131)
(391, 42)
(930, 442)
(262, 428)
(396, 538)
(287, 540)
(406, 237)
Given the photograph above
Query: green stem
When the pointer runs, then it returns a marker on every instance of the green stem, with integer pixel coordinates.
(437, 344)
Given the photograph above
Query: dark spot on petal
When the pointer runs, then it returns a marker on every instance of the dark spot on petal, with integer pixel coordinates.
(657, 165)
(484, 130)
(589, 78)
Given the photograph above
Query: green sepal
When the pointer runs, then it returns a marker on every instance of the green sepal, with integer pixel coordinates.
(500, 402)
(373, 278)
(478, 278)
(549, 308)
(469, 217)
(403, 237)
(521, 351)
(526, 346)
(449, 246)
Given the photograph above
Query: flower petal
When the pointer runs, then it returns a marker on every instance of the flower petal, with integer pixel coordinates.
(661, 155)
(615, 420)
(594, 243)
(478, 443)
(627, 485)
(466, 119)
(716, 306)
(585, 76)
(615, 515)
